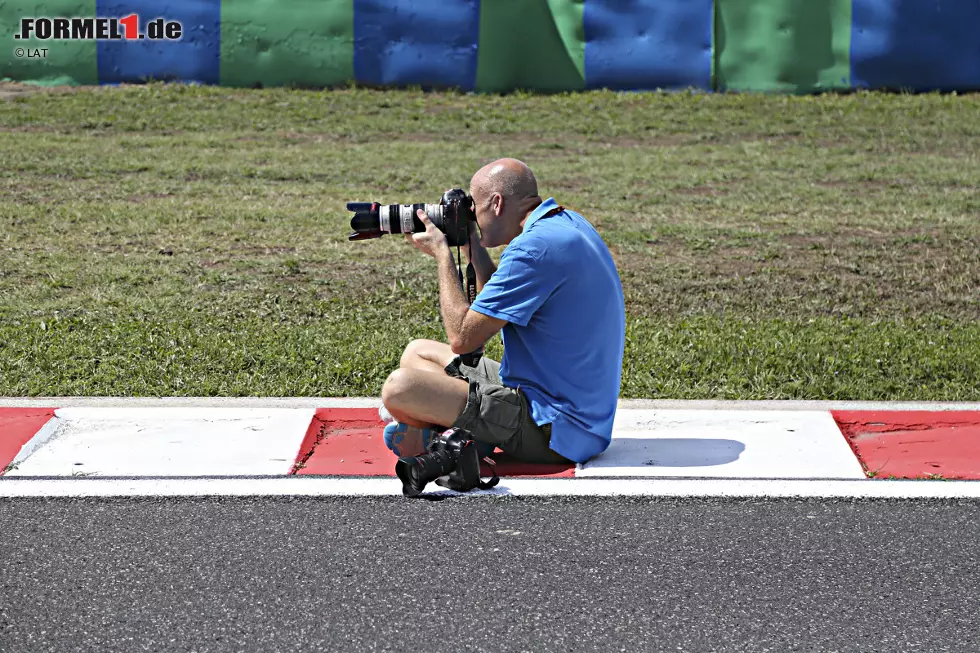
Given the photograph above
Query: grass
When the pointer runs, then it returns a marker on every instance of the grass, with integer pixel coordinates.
(191, 241)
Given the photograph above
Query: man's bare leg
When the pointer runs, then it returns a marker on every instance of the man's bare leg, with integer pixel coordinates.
(410, 397)
(428, 355)
(420, 397)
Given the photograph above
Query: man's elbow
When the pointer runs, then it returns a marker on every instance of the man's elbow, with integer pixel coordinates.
(465, 342)
(460, 346)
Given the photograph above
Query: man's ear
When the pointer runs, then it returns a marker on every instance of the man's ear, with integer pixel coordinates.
(498, 204)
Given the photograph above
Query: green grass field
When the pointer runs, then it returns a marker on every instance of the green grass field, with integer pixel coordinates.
(188, 241)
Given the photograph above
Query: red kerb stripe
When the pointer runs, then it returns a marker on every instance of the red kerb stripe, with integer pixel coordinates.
(914, 444)
(17, 427)
(349, 442)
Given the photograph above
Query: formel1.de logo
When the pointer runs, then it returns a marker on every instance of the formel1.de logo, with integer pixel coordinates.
(98, 29)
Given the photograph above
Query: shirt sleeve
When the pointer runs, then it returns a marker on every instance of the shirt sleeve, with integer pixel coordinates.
(517, 289)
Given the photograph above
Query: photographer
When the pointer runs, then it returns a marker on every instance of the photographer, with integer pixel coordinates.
(558, 298)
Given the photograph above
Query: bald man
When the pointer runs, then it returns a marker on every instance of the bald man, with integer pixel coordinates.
(558, 300)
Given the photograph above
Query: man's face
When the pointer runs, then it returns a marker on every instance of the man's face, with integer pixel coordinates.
(483, 209)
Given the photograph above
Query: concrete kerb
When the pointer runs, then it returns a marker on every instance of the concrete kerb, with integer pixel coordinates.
(682, 422)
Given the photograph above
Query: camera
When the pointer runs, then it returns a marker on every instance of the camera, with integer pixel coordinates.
(452, 215)
(452, 461)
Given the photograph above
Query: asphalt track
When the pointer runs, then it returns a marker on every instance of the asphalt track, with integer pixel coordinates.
(488, 574)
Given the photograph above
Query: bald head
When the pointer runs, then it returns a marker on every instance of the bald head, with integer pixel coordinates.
(509, 177)
(504, 193)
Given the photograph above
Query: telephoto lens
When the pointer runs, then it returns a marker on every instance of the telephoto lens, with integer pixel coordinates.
(451, 216)
(372, 220)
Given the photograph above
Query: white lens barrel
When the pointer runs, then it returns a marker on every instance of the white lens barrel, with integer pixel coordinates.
(435, 213)
(400, 218)
(405, 212)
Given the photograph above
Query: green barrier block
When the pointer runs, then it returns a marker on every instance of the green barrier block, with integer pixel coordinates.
(65, 62)
(527, 44)
(796, 46)
(300, 43)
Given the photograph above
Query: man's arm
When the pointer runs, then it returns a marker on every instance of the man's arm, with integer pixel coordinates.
(465, 328)
(478, 255)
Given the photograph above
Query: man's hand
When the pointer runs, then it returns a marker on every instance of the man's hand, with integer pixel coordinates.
(431, 241)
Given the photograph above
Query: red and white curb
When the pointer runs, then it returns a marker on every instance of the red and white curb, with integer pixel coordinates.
(331, 447)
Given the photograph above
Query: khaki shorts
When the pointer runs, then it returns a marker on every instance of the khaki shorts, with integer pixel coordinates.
(496, 414)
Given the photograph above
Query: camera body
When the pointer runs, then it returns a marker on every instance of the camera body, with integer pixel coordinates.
(452, 215)
(452, 461)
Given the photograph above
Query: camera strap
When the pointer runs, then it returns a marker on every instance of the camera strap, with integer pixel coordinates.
(486, 485)
(469, 287)
(470, 283)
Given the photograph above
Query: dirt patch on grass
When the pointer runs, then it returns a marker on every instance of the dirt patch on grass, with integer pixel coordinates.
(864, 184)
(524, 139)
(655, 138)
(14, 90)
(143, 197)
(263, 250)
(32, 129)
(214, 264)
(705, 190)
(858, 272)
(650, 139)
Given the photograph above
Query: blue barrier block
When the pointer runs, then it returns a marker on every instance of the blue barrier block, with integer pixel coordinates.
(194, 58)
(922, 45)
(639, 44)
(431, 43)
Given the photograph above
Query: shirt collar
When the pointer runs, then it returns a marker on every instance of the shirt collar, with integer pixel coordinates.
(542, 208)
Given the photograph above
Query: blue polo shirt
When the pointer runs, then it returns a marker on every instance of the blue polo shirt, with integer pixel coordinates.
(558, 288)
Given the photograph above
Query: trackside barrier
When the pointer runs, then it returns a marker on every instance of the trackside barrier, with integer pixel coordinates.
(782, 46)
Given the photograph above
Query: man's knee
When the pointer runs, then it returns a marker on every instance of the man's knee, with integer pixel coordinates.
(421, 397)
(425, 350)
(395, 386)
(411, 353)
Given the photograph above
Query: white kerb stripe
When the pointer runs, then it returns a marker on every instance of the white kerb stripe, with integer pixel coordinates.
(124, 441)
(725, 444)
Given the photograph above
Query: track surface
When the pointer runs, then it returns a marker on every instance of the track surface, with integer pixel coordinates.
(487, 574)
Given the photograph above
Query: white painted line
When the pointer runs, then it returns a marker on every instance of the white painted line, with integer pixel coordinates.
(197, 441)
(350, 487)
(725, 444)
